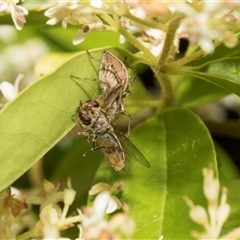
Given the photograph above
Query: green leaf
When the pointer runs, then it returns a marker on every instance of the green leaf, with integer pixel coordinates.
(41, 114)
(192, 92)
(220, 52)
(226, 68)
(178, 146)
(104, 38)
(224, 73)
(226, 167)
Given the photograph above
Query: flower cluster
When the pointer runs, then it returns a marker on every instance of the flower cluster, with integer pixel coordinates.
(53, 218)
(203, 23)
(150, 35)
(11, 205)
(94, 15)
(81, 13)
(94, 226)
(218, 210)
(18, 12)
(207, 23)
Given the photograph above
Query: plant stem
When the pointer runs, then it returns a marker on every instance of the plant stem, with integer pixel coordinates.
(115, 25)
(33, 232)
(234, 234)
(167, 91)
(170, 35)
(143, 22)
(183, 61)
(69, 220)
(108, 19)
(146, 53)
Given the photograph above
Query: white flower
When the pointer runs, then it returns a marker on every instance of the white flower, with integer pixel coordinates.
(84, 13)
(96, 3)
(76, 13)
(103, 203)
(102, 189)
(93, 224)
(152, 39)
(211, 186)
(49, 187)
(60, 11)
(98, 187)
(9, 90)
(84, 31)
(18, 12)
(124, 223)
(199, 215)
(69, 196)
(49, 215)
(53, 218)
(208, 23)
(217, 211)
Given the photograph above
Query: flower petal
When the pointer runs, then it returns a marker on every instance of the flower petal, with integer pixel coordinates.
(99, 187)
(18, 18)
(112, 205)
(80, 36)
(8, 90)
(3, 6)
(101, 203)
(69, 196)
(96, 3)
(49, 215)
(52, 21)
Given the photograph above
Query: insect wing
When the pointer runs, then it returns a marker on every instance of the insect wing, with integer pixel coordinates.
(128, 163)
(113, 71)
(130, 151)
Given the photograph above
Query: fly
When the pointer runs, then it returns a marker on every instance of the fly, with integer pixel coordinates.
(117, 148)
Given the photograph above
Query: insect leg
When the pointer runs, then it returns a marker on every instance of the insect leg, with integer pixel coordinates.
(85, 134)
(115, 94)
(129, 121)
(134, 75)
(72, 117)
(89, 54)
(108, 87)
(94, 149)
(121, 110)
(80, 78)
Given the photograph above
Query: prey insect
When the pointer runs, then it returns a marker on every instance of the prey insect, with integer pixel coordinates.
(114, 84)
(117, 148)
